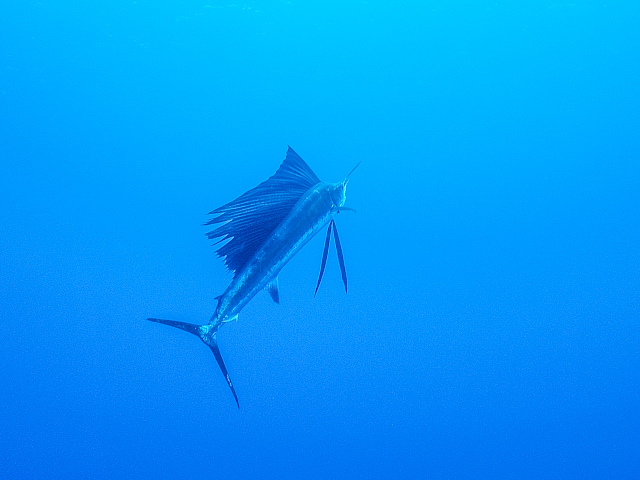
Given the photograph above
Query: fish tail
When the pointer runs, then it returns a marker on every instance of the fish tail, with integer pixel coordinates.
(207, 334)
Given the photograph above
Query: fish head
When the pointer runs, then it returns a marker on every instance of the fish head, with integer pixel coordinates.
(338, 192)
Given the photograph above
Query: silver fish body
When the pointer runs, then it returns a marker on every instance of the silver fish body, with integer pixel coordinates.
(311, 214)
(260, 232)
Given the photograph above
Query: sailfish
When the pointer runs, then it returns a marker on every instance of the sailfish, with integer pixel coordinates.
(260, 232)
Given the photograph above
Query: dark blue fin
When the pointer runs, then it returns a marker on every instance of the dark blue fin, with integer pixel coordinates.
(324, 257)
(272, 287)
(213, 345)
(203, 333)
(247, 221)
(343, 270)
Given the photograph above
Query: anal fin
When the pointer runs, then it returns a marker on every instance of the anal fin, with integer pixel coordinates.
(272, 287)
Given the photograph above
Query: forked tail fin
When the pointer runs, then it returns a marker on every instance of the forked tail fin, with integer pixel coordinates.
(203, 332)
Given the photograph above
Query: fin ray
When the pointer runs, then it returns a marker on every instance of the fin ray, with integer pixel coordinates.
(247, 221)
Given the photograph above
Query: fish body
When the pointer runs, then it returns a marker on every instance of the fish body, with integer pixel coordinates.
(311, 214)
(263, 229)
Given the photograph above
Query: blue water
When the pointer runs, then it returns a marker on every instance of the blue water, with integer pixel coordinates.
(492, 324)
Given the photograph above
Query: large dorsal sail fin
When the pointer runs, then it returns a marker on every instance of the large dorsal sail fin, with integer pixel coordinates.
(248, 220)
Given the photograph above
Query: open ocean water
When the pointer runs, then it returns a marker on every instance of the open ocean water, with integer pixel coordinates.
(492, 324)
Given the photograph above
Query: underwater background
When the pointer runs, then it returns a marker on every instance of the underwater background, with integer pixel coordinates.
(492, 324)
